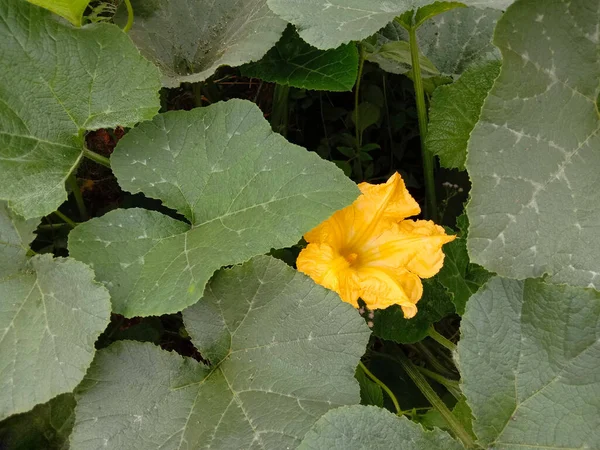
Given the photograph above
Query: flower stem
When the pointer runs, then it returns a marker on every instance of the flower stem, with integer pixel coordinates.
(382, 385)
(428, 161)
(72, 182)
(102, 160)
(437, 337)
(428, 392)
(129, 23)
(64, 218)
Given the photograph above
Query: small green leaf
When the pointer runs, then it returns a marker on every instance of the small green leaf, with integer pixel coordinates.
(46, 426)
(370, 392)
(15, 235)
(243, 188)
(72, 10)
(189, 39)
(107, 84)
(390, 323)
(295, 63)
(529, 355)
(454, 111)
(429, 11)
(368, 114)
(533, 156)
(369, 427)
(398, 53)
(283, 351)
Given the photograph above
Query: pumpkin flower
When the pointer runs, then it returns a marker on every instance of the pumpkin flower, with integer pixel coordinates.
(369, 250)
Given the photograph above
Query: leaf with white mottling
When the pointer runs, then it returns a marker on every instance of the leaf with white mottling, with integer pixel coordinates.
(529, 354)
(61, 81)
(282, 349)
(189, 39)
(243, 188)
(533, 156)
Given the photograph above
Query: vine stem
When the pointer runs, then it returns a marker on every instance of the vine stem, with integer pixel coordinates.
(437, 337)
(451, 385)
(428, 161)
(102, 160)
(64, 218)
(129, 23)
(280, 113)
(72, 182)
(417, 377)
(383, 386)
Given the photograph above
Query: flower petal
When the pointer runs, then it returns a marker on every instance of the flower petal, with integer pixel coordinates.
(392, 198)
(381, 288)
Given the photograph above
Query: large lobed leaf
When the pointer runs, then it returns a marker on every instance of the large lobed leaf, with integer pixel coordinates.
(243, 188)
(51, 313)
(369, 427)
(283, 351)
(57, 83)
(189, 39)
(533, 156)
(330, 23)
(529, 355)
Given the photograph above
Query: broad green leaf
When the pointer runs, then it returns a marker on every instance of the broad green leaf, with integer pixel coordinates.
(50, 316)
(430, 11)
(368, 427)
(283, 351)
(46, 426)
(451, 42)
(293, 62)
(370, 392)
(533, 156)
(435, 304)
(189, 39)
(72, 10)
(243, 188)
(15, 235)
(61, 81)
(331, 23)
(454, 111)
(529, 355)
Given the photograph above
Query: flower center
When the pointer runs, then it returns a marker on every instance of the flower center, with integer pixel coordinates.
(351, 257)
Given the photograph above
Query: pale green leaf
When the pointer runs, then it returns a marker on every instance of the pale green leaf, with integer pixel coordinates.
(331, 23)
(46, 426)
(16, 234)
(72, 10)
(61, 81)
(369, 427)
(452, 42)
(533, 156)
(243, 188)
(50, 316)
(529, 354)
(283, 351)
(295, 63)
(395, 54)
(454, 111)
(189, 39)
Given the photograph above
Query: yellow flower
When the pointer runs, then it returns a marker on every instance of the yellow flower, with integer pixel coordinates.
(368, 250)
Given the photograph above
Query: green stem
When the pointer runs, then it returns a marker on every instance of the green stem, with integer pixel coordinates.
(437, 337)
(420, 381)
(129, 23)
(280, 113)
(381, 384)
(428, 161)
(361, 65)
(72, 182)
(431, 359)
(102, 160)
(64, 218)
(451, 385)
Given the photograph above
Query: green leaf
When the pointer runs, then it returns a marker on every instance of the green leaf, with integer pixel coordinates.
(50, 316)
(369, 427)
(533, 156)
(461, 411)
(430, 11)
(293, 62)
(454, 111)
(72, 10)
(331, 23)
(243, 188)
(75, 80)
(397, 54)
(46, 426)
(368, 114)
(15, 235)
(390, 323)
(370, 392)
(189, 39)
(283, 352)
(529, 355)
(451, 42)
